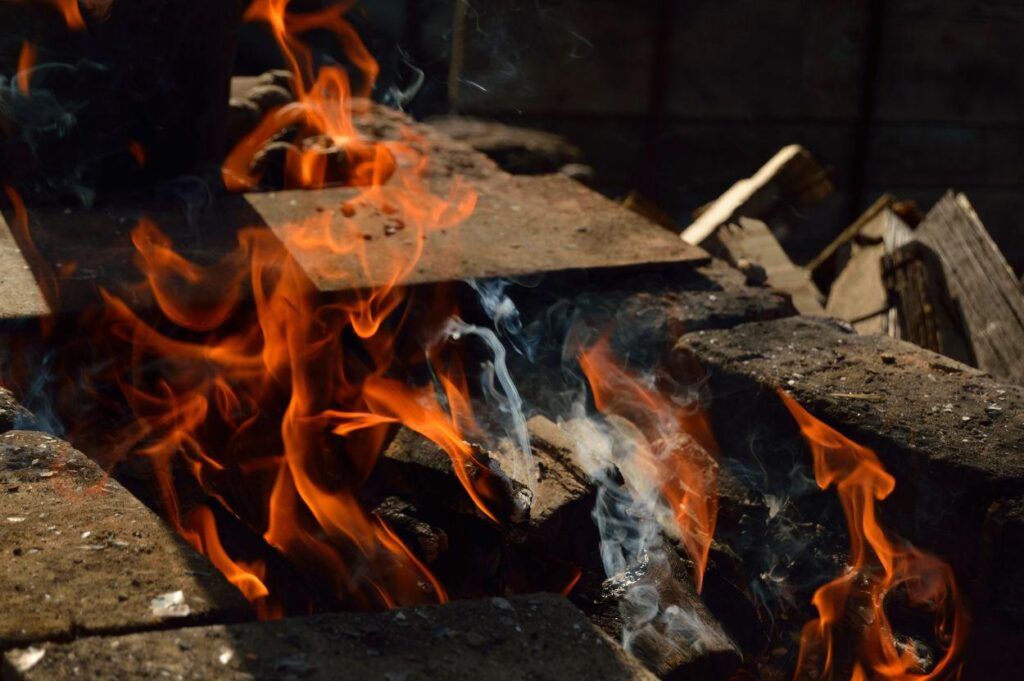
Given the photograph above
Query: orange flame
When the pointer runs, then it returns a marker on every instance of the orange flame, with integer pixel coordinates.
(325, 128)
(682, 448)
(200, 529)
(26, 60)
(878, 565)
(72, 14)
(293, 400)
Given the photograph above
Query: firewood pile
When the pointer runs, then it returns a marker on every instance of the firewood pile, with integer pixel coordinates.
(934, 278)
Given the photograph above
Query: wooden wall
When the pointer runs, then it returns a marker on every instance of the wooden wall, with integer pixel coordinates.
(679, 98)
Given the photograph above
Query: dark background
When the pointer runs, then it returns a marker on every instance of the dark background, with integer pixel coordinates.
(680, 98)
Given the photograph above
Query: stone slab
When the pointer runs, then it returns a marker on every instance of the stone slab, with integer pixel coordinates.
(952, 436)
(82, 556)
(22, 296)
(645, 311)
(529, 637)
(13, 415)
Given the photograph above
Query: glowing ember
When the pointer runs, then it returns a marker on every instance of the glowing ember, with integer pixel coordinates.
(879, 564)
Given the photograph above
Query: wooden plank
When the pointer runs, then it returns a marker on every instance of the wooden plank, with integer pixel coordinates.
(521, 225)
(751, 240)
(851, 232)
(790, 178)
(981, 283)
(999, 208)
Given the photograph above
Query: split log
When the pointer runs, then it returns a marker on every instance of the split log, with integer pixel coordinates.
(981, 283)
(858, 294)
(785, 187)
(927, 315)
(427, 541)
(664, 623)
(419, 469)
(748, 240)
(560, 531)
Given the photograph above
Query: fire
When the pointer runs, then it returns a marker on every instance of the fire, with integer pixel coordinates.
(26, 60)
(323, 126)
(879, 564)
(275, 399)
(682, 451)
(72, 14)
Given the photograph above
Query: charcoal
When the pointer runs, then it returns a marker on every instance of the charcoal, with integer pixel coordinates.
(428, 541)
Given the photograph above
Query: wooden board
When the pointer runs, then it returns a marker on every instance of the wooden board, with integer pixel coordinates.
(981, 283)
(927, 315)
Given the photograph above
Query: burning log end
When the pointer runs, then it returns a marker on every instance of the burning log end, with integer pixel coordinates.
(267, 97)
(661, 619)
(403, 518)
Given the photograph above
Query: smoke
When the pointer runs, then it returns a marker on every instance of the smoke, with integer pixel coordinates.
(503, 395)
(499, 307)
(629, 510)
